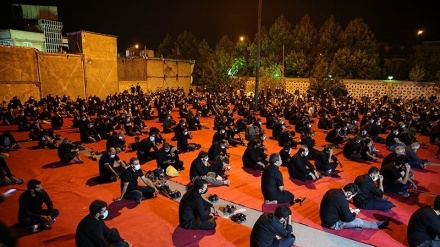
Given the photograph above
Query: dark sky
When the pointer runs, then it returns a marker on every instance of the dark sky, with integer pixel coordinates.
(146, 22)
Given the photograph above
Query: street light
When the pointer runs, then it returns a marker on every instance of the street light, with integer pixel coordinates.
(136, 46)
(257, 70)
(241, 38)
(419, 32)
(390, 77)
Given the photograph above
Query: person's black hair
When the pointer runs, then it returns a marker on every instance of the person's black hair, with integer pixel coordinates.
(202, 154)
(274, 158)
(401, 160)
(282, 211)
(436, 204)
(373, 170)
(367, 140)
(351, 187)
(32, 184)
(198, 184)
(286, 147)
(328, 147)
(96, 206)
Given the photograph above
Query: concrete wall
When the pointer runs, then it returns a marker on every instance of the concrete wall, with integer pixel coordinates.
(18, 73)
(61, 74)
(100, 64)
(152, 74)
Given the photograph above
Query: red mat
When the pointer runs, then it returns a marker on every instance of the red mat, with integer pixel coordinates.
(154, 221)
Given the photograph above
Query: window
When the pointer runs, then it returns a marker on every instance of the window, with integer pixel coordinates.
(5, 42)
(27, 44)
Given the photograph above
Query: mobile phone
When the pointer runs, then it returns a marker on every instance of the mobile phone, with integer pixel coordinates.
(10, 191)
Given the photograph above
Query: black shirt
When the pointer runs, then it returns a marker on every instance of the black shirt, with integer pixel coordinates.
(131, 176)
(423, 225)
(390, 174)
(92, 232)
(197, 169)
(250, 158)
(106, 159)
(334, 207)
(299, 165)
(266, 228)
(271, 179)
(191, 207)
(32, 206)
(368, 191)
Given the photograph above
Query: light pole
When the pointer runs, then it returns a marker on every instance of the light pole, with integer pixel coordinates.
(419, 32)
(257, 70)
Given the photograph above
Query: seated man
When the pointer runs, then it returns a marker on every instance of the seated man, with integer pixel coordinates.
(88, 134)
(396, 180)
(285, 155)
(392, 140)
(334, 136)
(424, 226)
(274, 229)
(219, 167)
(67, 152)
(110, 166)
(370, 195)
(326, 162)
(147, 148)
(6, 177)
(411, 154)
(300, 166)
(272, 184)
(168, 156)
(92, 231)
(129, 184)
(366, 151)
(8, 142)
(199, 170)
(352, 149)
(30, 207)
(182, 141)
(252, 157)
(336, 214)
(194, 212)
(217, 149)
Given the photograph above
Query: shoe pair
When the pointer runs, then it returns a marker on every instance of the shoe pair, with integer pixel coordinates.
(239, 218)
(299, 200)
(229, 210)
(404, 194)
(213, 198)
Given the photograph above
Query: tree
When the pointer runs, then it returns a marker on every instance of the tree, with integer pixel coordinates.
(417, 73)
(304, 41)
(358, 58)
(186, 46)
(166, 48)
(329, 38)
(280, 34)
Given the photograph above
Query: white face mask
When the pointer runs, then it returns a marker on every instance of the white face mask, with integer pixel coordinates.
(306, 153)
(137, 167)
(104, 215)
(349, 198)
(222, 131)
(112, 155)
(152, 139)
(375, 178)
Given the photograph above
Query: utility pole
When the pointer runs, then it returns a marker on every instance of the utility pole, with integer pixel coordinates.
(257, 71)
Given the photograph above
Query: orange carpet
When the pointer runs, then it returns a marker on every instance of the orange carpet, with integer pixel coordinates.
(154, 222)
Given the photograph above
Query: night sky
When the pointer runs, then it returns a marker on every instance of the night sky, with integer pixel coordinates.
(146, 22)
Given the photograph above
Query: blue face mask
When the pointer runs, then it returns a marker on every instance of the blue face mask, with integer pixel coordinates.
(104, 215)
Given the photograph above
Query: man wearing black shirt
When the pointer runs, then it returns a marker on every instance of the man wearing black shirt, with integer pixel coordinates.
(273, 229)
(68, 152)
(352, 149)
(393, 140)
(30, 212)
(336, 214)
(424, 226)
(129, 184)
(251, 157)
(370, 195)
(110, 166)
(272, 184)
(167, 156)
(194, 211)
(199, 170)
(326, 162)
(92, 231)
(396, 180)
(300, 166)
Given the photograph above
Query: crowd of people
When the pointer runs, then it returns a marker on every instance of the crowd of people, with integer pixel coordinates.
(355, 124)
